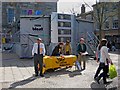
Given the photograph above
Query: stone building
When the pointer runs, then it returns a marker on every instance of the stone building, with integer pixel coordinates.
(109, 21)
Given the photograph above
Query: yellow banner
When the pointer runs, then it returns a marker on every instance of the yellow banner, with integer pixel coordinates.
(52, 62)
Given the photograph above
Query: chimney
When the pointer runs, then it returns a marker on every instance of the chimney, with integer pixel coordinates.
(83, 9)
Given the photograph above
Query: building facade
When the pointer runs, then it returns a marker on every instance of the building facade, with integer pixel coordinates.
(84, 14)
(62, 26)
(32, 27)
(69, 27)
(109, 21)
(11, 12)
(87, 15)
(0, 26)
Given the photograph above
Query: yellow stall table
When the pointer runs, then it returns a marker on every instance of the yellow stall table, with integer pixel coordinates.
(52, 62)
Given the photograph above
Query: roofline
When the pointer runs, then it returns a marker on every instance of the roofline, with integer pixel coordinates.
(89, 12)
(84, 20)
(34, 16)
(63, 13)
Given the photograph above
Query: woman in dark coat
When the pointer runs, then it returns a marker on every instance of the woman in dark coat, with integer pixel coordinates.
(57, 50)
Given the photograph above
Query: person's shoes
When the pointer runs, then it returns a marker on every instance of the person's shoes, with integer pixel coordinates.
(107, 76)
(41, 75)
(83, 68)
(107, 83)
(97, 80)
(36, 75)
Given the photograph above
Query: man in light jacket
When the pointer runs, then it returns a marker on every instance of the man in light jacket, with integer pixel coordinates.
(38, 52)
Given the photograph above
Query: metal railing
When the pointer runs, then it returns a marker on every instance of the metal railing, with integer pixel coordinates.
(92, 42)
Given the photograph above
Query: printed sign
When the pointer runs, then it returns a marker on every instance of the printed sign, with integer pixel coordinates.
(37, 27)
(61, 61)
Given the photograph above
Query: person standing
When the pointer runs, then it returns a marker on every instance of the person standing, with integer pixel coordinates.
(113, 46)
(103, 65)
(38, 52)
(81, 49)
(98, 52)
(67, 48)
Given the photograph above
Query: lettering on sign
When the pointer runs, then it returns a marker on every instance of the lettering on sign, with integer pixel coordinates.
(37, 27)
(61, 61)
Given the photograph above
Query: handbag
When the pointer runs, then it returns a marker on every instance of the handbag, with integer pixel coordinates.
(112, 72)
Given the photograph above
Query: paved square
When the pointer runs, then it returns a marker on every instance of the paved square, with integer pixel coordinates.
(18, 73)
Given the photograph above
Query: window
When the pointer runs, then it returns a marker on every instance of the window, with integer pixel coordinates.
(64, 16)
(68, 17)
(60, 39)
(114, 6)
(64, 24)
(10, 15)
(64, 39)
(106, 25)
(97, 11)
(106, 8)
(115, 24)
(64, 31)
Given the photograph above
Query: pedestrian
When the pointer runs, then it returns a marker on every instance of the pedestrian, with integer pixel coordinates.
(113, 46)
(109, 46)
(67, 48)
(103, 65)
(58, 50)
(38, 52)
(81, 50)
(98, 52)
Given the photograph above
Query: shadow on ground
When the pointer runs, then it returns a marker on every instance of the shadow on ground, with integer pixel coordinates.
(62, 72)
(101, 86)
(23, 82)
(96, 86)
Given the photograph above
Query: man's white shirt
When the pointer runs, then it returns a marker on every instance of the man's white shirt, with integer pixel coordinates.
(35, 48)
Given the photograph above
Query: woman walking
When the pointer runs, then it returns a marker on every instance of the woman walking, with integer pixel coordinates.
(103, 65)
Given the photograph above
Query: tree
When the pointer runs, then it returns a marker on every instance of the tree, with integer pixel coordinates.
(101, 15)
(73, 11)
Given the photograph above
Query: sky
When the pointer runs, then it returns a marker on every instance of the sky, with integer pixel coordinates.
(70, 6)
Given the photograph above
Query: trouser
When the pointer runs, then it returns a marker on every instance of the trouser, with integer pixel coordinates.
(38, 59)
(103, 67)
(82, 58)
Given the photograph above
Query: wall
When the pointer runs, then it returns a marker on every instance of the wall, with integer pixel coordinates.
(54, 27)
(82, 27)
(32, 25)
(26, 25)
(79, 28)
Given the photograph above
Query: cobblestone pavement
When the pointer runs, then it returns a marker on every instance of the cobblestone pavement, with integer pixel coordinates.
(18, 73)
